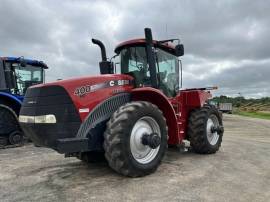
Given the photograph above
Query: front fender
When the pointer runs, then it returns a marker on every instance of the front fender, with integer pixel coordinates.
(94, 124)
(161, 101)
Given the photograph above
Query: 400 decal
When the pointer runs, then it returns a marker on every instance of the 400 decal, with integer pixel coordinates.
(82, 90)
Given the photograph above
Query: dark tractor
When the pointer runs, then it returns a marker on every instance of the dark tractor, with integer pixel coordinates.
(129, 117)
(16, 75)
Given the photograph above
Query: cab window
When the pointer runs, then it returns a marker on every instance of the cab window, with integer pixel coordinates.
(24, 76)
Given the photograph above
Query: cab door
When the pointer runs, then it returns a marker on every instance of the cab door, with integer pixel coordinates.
(167, 72)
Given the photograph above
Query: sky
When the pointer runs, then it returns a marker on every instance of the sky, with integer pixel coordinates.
(226, 41)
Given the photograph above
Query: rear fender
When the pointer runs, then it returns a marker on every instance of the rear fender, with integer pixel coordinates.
(155, 97)
(196, 98)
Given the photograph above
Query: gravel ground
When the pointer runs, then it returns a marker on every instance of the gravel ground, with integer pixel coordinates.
(240, 171)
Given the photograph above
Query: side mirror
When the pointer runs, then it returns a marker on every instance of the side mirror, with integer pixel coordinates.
(179, 50)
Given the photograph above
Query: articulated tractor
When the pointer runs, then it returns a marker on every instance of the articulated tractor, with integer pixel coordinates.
(130, 117)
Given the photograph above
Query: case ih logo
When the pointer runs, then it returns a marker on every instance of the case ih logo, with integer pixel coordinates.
(81, 91)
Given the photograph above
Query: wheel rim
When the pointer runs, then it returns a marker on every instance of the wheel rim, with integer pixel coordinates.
(212, 136)
(140, 152)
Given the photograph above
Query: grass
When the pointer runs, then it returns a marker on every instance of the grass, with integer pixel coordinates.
(261, 115)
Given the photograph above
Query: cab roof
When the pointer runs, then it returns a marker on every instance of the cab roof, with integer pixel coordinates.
(168, 47)
(28, 61)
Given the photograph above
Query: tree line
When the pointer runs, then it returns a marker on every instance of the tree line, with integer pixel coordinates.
(240, 100)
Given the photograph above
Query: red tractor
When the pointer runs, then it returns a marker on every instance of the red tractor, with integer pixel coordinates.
(131, 117)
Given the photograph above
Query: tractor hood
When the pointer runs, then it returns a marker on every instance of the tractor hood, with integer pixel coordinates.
(87, 80)
(66, 109)
(87, 92)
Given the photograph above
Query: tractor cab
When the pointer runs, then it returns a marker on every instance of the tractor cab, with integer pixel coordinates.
(17, 74)
(133, 57)
(151, 63)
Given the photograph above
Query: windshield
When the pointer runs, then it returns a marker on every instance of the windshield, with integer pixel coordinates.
(25, 77)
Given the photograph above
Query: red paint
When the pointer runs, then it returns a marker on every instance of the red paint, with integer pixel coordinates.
(184, 103)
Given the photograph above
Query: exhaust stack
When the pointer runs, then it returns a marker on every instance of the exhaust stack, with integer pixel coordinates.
(106, 67)
(102, 48)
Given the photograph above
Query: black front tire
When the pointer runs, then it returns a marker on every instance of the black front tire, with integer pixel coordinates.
(197, 130)
(117, 139)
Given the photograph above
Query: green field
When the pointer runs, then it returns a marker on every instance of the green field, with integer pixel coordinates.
(261, 115)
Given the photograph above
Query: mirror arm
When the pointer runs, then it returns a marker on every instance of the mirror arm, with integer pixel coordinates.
(113, 57)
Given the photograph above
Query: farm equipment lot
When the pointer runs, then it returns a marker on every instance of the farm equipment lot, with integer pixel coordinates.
(239, 171)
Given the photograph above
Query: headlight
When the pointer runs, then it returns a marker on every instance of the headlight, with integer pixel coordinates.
(50, 118)
(26, 119)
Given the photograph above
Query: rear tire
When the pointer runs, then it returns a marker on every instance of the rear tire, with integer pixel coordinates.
(204, 139)
(124, 149)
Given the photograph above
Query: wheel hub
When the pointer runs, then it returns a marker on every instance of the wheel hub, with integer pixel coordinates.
(218, 129)
(153, 140)
(145, 139)
(213, 129)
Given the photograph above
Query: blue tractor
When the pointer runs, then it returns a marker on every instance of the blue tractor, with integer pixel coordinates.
(16, 75)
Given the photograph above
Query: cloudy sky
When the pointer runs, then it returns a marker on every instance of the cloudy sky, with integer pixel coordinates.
(226, 42)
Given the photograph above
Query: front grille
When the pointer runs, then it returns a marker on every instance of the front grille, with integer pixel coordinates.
(50, 100)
